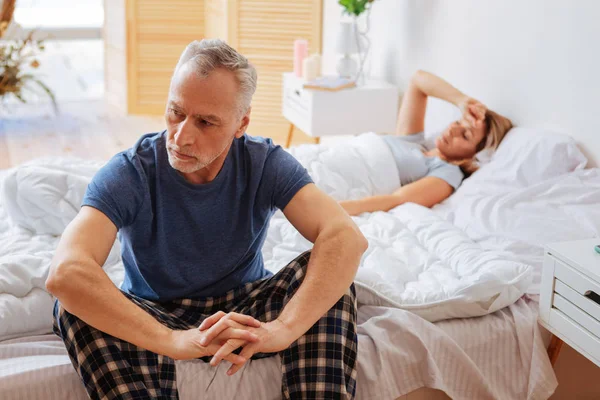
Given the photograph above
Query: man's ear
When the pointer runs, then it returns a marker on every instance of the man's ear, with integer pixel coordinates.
(244, 124)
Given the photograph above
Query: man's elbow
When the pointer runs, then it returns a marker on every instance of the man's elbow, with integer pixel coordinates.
(363, 243)
(62, 277)
(54, 283)
(358, 240)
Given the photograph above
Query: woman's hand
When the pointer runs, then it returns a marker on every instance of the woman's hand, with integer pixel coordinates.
(473, 111)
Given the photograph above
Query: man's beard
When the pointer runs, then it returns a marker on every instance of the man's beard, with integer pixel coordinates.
(192, 165)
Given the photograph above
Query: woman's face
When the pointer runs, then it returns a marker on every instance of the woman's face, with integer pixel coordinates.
(460, 140)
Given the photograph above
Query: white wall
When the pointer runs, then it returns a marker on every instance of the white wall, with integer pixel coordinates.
(536, 61)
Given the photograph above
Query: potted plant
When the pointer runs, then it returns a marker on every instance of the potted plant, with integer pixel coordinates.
(17, 60)
(355, 8)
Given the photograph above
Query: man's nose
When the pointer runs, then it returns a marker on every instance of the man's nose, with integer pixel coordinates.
(184, 135)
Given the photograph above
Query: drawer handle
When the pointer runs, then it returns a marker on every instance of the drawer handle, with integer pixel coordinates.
(595, 297)
(297, 92)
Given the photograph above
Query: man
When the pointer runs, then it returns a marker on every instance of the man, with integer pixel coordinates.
(192, 206)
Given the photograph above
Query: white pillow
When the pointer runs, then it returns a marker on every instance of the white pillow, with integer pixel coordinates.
(527, 156)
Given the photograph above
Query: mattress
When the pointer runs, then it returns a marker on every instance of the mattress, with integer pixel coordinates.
(497, 356)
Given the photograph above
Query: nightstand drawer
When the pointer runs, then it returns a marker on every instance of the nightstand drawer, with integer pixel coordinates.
(586, 303)
(575, 335)
(296, 100)
(577, 289)
(577, 315)
(570, 297)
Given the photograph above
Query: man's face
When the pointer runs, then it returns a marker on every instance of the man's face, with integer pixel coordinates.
(202, 117)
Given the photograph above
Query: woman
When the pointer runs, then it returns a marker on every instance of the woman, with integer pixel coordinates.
(430, 172)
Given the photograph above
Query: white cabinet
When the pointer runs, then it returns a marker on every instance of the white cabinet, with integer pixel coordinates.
(570, 295)
(371, 107)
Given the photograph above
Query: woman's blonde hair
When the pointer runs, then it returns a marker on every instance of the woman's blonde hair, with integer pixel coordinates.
(497, 127)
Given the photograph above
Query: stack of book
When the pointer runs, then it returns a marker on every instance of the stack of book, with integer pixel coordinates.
(330, 83)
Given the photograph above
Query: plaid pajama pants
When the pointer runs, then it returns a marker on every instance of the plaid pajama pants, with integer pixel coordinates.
(319, 365)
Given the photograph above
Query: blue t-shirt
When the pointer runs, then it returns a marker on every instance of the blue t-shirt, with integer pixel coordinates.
(184, 240)
(413, 164)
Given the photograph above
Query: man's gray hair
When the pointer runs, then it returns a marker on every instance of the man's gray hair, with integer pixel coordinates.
(210, 54)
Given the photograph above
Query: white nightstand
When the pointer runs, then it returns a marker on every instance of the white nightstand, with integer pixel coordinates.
(570, 297)
(371, 107)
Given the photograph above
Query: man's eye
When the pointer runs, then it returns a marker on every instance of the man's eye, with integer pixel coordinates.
(206, 123)
(175, 112)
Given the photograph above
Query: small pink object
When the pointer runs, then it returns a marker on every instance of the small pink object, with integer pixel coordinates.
(300, 53)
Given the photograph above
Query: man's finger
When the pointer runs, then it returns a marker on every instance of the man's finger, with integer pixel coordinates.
(245, 354)
(235, 359)
(240, 318)
(215, 331)
(244, 319)
(225, 350)
(241, 334)
(210, 321)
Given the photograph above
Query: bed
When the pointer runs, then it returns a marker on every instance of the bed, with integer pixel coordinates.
(447, 297)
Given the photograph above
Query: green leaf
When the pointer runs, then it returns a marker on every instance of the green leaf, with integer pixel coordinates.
(354, 7)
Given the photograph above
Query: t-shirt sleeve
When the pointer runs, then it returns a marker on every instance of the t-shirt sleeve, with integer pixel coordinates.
(413, 138)
(418, 138)
(285, 176)
(448, 172)
(116, 190)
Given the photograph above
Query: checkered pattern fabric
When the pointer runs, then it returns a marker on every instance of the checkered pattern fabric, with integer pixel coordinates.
(319, 365)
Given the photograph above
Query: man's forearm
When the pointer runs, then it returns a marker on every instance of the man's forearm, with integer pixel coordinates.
(90, 295)
(330, 272)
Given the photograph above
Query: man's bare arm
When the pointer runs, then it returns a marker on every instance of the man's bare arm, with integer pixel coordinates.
(338, 248)
(78, 281)
(83, 289)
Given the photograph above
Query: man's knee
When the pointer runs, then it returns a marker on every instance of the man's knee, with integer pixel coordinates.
(59, 325)
(70, 328)
(346, 307)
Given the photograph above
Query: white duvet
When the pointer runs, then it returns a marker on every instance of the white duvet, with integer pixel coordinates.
(416, 259)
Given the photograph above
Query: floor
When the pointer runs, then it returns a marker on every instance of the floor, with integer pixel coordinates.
(578, 377)
(86, 129)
